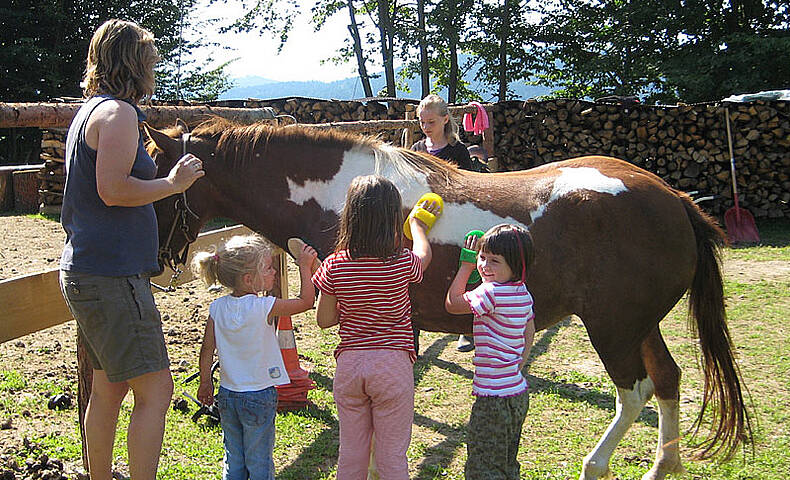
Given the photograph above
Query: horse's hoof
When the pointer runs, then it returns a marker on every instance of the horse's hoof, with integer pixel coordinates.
(659, 472)
(589, 473)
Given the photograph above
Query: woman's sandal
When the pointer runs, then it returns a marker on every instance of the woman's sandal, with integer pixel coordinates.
(295, 246)
(470, 256)
(422, 214)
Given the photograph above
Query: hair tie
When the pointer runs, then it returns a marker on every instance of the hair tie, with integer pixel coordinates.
(215, 257)
(521, 252)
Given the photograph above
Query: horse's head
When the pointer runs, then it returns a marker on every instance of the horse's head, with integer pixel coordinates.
(180, 216)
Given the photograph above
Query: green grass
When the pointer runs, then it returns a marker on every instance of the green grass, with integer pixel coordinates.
(774, 243)
(11, 381)
(572, 399)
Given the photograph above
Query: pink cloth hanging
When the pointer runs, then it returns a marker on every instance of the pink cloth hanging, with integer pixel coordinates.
(480, 122)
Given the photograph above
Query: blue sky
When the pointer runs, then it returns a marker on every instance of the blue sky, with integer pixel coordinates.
(300, 58)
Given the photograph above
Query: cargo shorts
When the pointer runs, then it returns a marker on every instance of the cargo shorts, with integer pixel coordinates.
(118, 322)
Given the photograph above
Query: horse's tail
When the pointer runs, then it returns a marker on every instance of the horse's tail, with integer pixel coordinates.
(730, 422)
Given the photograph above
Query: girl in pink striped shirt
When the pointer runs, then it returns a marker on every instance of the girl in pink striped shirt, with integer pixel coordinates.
(364, 287)
(503, 330)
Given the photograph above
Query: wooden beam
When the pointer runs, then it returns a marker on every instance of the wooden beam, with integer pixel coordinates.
(59, 115)
(363, 125)
(31, 303)
(34, 302)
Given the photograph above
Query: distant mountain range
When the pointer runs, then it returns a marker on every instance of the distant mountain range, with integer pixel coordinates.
(349, 89)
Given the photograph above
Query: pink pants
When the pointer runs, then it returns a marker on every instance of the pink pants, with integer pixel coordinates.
(374, 392)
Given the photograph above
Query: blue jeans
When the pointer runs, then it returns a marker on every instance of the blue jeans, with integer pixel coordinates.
(247, 420)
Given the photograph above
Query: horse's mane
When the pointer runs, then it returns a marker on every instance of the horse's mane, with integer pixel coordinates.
(237, 142)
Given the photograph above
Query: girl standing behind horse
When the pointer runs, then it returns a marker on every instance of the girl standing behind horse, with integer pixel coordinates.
(241, 328)
(442, 141)
(504, 329)
(441, 133)
(364, 287)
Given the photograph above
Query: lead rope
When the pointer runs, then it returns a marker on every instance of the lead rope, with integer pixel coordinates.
(177, 271)
(175, 264)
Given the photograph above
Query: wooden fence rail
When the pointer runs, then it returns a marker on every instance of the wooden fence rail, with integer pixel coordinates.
(59, 115)
(34, 302)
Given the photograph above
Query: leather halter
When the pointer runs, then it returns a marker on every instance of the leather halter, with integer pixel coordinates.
(166, 255)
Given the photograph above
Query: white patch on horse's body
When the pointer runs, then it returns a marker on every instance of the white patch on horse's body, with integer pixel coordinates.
(456, 220)
(331, 194)
(573, 179)
(628, 406)
(459, 219)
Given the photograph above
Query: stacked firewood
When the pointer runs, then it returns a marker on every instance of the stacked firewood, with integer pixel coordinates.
(686, 145)
(52, 175)
(308, 110)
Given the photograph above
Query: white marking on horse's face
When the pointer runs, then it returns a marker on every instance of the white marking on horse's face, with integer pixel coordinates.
(580, 178)
(456, 220)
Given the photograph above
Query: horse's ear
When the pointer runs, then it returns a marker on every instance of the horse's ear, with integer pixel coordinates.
(182, 125)
(170, 146)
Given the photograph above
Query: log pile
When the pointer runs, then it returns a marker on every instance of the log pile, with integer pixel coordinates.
(686, 145)
(52, 176)
(308, 110)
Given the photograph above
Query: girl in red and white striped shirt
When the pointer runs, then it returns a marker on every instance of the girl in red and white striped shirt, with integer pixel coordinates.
(503, 330)
(364, 286)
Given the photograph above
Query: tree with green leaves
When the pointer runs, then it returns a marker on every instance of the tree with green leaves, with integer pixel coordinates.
(696, 50)
(45, 43)
(603, 47)
(727, 48)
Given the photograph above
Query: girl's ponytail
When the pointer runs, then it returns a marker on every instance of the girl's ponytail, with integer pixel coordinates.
(204, 266)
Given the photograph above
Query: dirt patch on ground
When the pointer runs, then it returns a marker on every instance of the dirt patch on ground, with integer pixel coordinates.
(744, 271)
(31, 245)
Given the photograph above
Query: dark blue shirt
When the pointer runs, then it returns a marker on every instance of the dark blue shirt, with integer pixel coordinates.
(103, 240)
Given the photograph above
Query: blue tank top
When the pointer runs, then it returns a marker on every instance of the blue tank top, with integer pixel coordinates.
(103, 240)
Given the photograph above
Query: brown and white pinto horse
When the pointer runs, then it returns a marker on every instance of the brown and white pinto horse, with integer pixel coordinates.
(615, 245)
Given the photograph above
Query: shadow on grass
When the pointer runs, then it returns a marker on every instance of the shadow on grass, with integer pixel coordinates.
(773, 233)
(439, 456)
(572, 391)
(320, 456)
(430, 357)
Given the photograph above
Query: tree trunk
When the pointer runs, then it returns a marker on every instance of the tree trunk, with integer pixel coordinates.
(503, 36)
(385, 31)
(363, 72)
(452, 81)
(425, 81)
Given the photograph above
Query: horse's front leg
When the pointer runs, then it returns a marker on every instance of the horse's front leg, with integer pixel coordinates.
(629, 404)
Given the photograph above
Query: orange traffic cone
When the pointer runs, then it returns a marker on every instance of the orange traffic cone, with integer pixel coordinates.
(292, 396)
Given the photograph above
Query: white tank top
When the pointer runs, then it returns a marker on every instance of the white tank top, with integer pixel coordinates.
(249, 354)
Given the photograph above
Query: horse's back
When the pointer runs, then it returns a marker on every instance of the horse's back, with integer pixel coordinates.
(613, 240)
